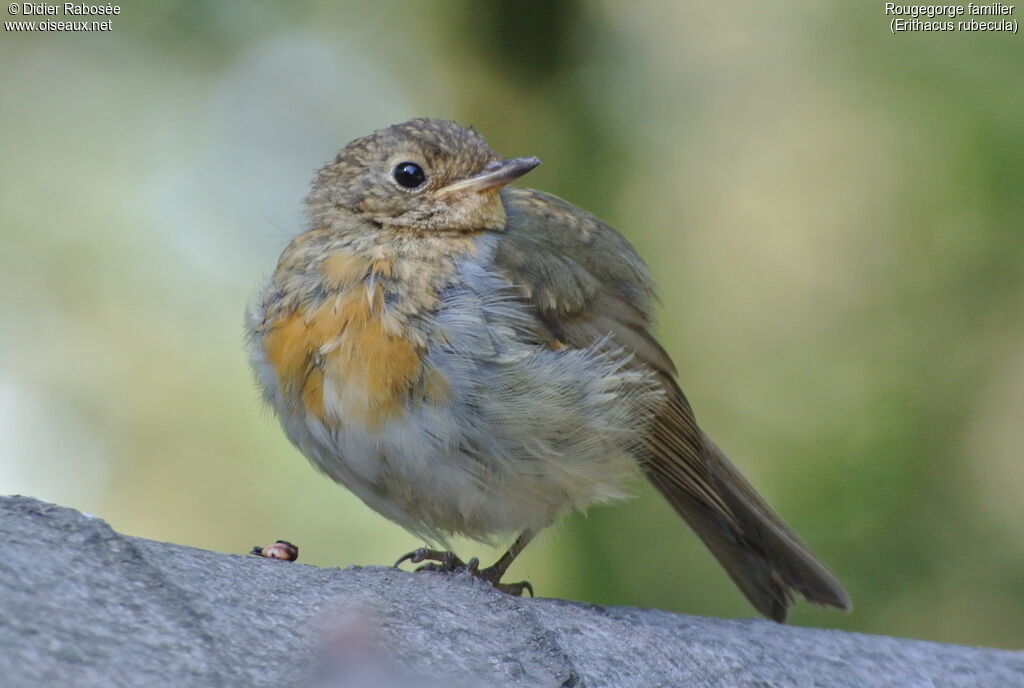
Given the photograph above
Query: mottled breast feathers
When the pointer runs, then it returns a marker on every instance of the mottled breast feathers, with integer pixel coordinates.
(343, 338)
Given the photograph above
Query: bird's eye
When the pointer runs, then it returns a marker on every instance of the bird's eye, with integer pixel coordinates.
(409, 174)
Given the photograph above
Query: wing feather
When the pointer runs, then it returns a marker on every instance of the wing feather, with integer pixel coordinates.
(587, 285)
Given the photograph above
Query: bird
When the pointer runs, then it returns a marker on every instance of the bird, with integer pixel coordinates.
(475, 359)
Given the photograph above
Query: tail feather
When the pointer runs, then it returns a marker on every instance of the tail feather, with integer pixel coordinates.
(793, 561)
(766, 560)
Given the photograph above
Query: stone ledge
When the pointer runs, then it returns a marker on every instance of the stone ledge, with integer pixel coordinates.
(86, 606)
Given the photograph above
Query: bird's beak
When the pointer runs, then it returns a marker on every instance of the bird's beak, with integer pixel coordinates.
(495, 174)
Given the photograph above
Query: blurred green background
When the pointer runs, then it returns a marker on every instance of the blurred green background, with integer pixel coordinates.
(834, 215)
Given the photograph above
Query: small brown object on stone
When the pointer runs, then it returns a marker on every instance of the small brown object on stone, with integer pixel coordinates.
(282, 549)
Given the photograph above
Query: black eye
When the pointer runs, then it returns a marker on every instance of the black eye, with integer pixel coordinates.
(409, 174)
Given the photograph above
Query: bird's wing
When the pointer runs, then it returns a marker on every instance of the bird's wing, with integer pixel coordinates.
(587, 284)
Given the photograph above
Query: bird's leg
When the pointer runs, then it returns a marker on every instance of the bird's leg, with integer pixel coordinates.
(493, 573)
(446, 561)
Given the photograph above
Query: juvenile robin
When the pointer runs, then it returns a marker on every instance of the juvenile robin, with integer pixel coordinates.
(474, 359)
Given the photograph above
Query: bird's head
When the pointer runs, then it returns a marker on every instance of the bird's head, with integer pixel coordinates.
(425, 175)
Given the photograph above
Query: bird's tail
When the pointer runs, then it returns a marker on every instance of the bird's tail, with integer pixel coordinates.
(766, 560)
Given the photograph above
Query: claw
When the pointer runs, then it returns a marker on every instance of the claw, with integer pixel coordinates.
(447, 560)
(493, 576)
(515, 589)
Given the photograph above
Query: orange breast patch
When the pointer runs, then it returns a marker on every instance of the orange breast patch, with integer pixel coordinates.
(336, 357)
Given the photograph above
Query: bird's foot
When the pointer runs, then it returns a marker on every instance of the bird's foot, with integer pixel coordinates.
(493, 574)
(448, 562)
(442, 562)
(514, 589)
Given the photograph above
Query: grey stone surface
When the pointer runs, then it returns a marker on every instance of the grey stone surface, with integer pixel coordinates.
(85, 606)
